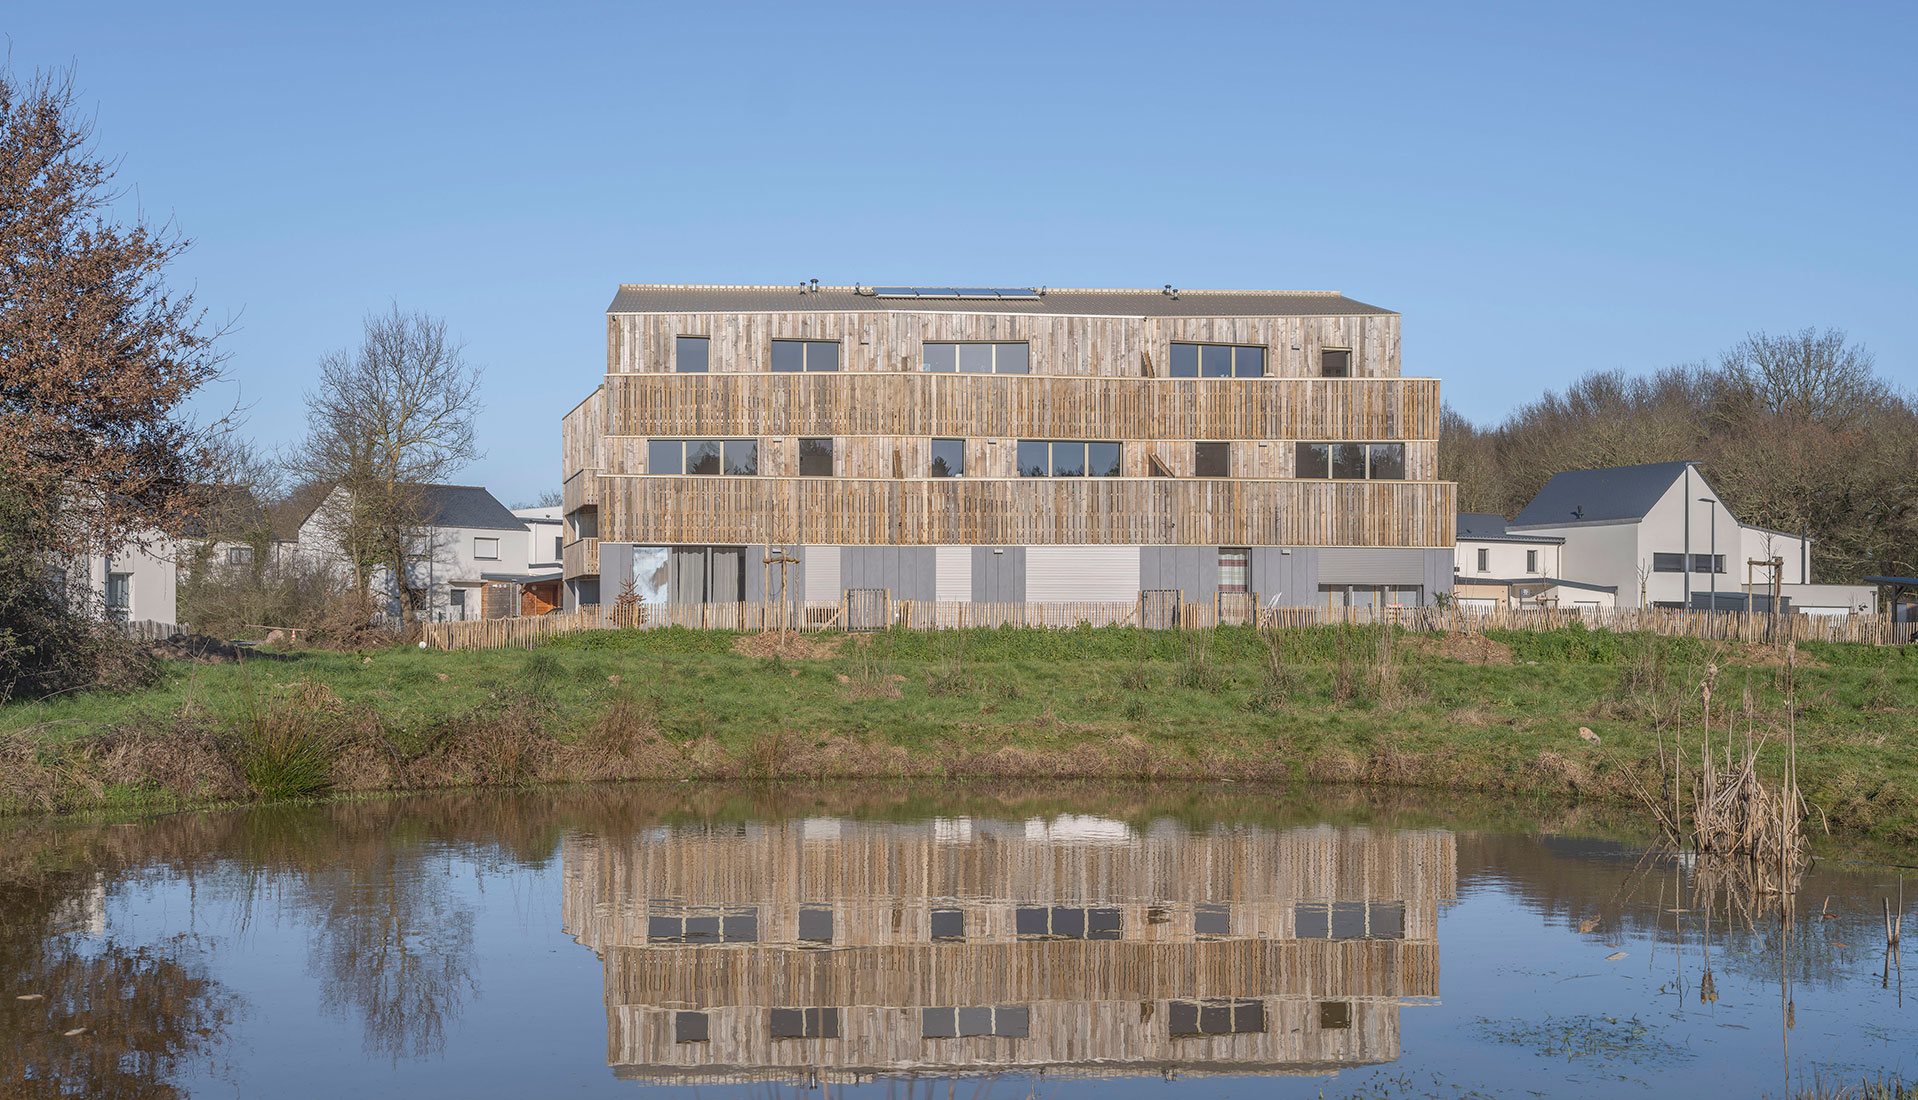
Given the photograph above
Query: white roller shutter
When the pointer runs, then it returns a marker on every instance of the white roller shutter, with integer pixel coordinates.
(952, 574)
(822, 574)
(1081, 574)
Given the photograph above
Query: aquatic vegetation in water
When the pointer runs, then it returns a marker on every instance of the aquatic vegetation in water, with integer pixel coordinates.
(1601, 1040)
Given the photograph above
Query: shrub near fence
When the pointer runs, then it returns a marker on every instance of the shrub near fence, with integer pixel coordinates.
(813, 617)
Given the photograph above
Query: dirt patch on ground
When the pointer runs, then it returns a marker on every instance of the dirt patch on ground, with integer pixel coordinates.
(198, 648)
(1471, 649)
(1759, 655)
(800, 647)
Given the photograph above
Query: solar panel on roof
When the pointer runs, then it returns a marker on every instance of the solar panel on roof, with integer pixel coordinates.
(991, 292)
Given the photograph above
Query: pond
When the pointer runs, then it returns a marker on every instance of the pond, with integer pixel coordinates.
(900, 941)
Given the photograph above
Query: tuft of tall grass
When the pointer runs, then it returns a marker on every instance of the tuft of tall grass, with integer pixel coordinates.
(284, 740)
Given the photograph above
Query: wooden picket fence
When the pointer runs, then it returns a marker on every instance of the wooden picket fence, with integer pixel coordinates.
(1155, 610)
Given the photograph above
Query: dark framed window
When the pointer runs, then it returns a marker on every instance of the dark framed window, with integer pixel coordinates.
(815, 457)
(736, 925)
(740, 457)
(1335, 1015)
(1335, 363)
(977, 358)
(948, 458)
(1004, 1021)
(1065, 922)
(710, 457)
(1066, 458)
(456, 599)
(1706, 563)
(1350, 461)
(805, 1023)
(1350, 920)
(486, 549)
(690, 1027)
(1484, 560)
(1531, 561)
(1217, 361)
(1212, 460)
(815, 925)
(805, 355)
(692, 354)
(1214, 1016)
(1211, 920)
(119, 592)
(1668, 563)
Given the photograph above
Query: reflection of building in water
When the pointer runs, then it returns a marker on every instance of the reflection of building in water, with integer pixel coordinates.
(836, 950)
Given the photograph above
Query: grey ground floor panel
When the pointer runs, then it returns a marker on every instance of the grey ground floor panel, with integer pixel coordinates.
(998, 574)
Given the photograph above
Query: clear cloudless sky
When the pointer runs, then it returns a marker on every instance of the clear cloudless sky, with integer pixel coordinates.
(1541, 189)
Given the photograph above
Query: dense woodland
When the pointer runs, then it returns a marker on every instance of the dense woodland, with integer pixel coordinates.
(1797, 432)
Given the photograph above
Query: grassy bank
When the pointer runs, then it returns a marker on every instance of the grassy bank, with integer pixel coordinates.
(1492, 713)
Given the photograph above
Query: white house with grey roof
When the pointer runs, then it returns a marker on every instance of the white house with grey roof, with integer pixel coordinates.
(1659, 536)
(1496, 568)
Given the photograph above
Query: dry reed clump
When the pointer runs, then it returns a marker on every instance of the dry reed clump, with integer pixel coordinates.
(505, 746)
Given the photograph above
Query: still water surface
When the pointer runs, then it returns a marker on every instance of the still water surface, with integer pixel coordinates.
(904, 942)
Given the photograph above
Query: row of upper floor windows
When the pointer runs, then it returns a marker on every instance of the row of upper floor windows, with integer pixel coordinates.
(693, 355)
(1035, 458)
(1194, 1018)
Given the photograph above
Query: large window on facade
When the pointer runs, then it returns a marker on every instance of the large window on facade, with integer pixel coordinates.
(1335, 363)
(1060, 458)
(1065, 922)
(1004, 1021)
(1217, 361)
(815, 457)
(805, 1023)
(711, 457)
(999, 358)
(1350, 461)
(1668, 563)
(690, 1027)
(691, 354)
(948, 458)
(1212, 460)
(1214, 1016)
(1706, 563)
(948, 924)
(805, 355)
(730, 925)
(1350, 920)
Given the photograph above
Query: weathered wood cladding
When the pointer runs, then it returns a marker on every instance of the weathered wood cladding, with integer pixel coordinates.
(580, 433)
(1027, 511)
(1029, 406)
(1112, 346)
(579, 558)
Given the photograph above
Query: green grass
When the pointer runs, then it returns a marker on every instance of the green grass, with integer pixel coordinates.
(1106, 703)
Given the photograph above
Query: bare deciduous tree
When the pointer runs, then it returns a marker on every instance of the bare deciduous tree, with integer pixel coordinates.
(389, 417)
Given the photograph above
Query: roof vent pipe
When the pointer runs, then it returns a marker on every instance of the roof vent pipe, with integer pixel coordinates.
(815, 286)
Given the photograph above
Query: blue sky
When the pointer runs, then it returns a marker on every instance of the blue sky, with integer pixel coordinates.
(1541, 190)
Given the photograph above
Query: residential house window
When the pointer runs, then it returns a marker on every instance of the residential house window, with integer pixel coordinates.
(949, 924)
(586, 523)
(1350, 920)
(456, 601)
(805, 1023)
(1531, 561)
(1214, 1016)
(1484, 560)
(690, 1027)
(1212, 460)
(1668, 563)
(486, 549)
(1350, 461)
(1235, 569)
(948, 458)
(735, 925)
(1065, 922)
(239, 555)
(1335, 363)
(730, 457)
(1060, 458)
(119, 594)
(815, 457)
(1217, 361)
(1004, 1021)
(805, 355)
(559, 541)
(691, 354)
(978, 358)
(1706, 563)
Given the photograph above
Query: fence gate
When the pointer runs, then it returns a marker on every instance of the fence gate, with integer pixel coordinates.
(867, 609)
(1159, 608)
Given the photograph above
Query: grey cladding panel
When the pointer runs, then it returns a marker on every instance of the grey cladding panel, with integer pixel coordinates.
(1286, 580)
(905, 571)
(999, 574)
(1390, 565)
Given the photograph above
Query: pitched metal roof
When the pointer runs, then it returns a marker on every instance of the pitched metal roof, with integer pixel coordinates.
(467, 506)
(669, 298)
(1600, 496)
(1490, 527)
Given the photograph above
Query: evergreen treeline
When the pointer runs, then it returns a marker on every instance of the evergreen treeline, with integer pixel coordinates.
(1797, 432)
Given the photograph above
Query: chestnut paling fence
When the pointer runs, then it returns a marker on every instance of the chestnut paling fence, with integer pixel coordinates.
(877, 609)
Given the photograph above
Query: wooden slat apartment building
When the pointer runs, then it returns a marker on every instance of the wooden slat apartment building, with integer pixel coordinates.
(1004, 446)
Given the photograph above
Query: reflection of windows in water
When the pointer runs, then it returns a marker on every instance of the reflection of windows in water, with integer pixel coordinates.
(1005, 1021)
(689, 1027)
(1066, 922)
(1335, 1015)
(1212, 920)
(704, 926)
(948, 924)
(805, 1023)
(1350, 920)
(1227, 1016)
(815, 925)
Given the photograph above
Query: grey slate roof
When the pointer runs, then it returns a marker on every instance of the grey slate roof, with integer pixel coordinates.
(468, 506)
(1599, 496)
(648, 298)
(1490, 527)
